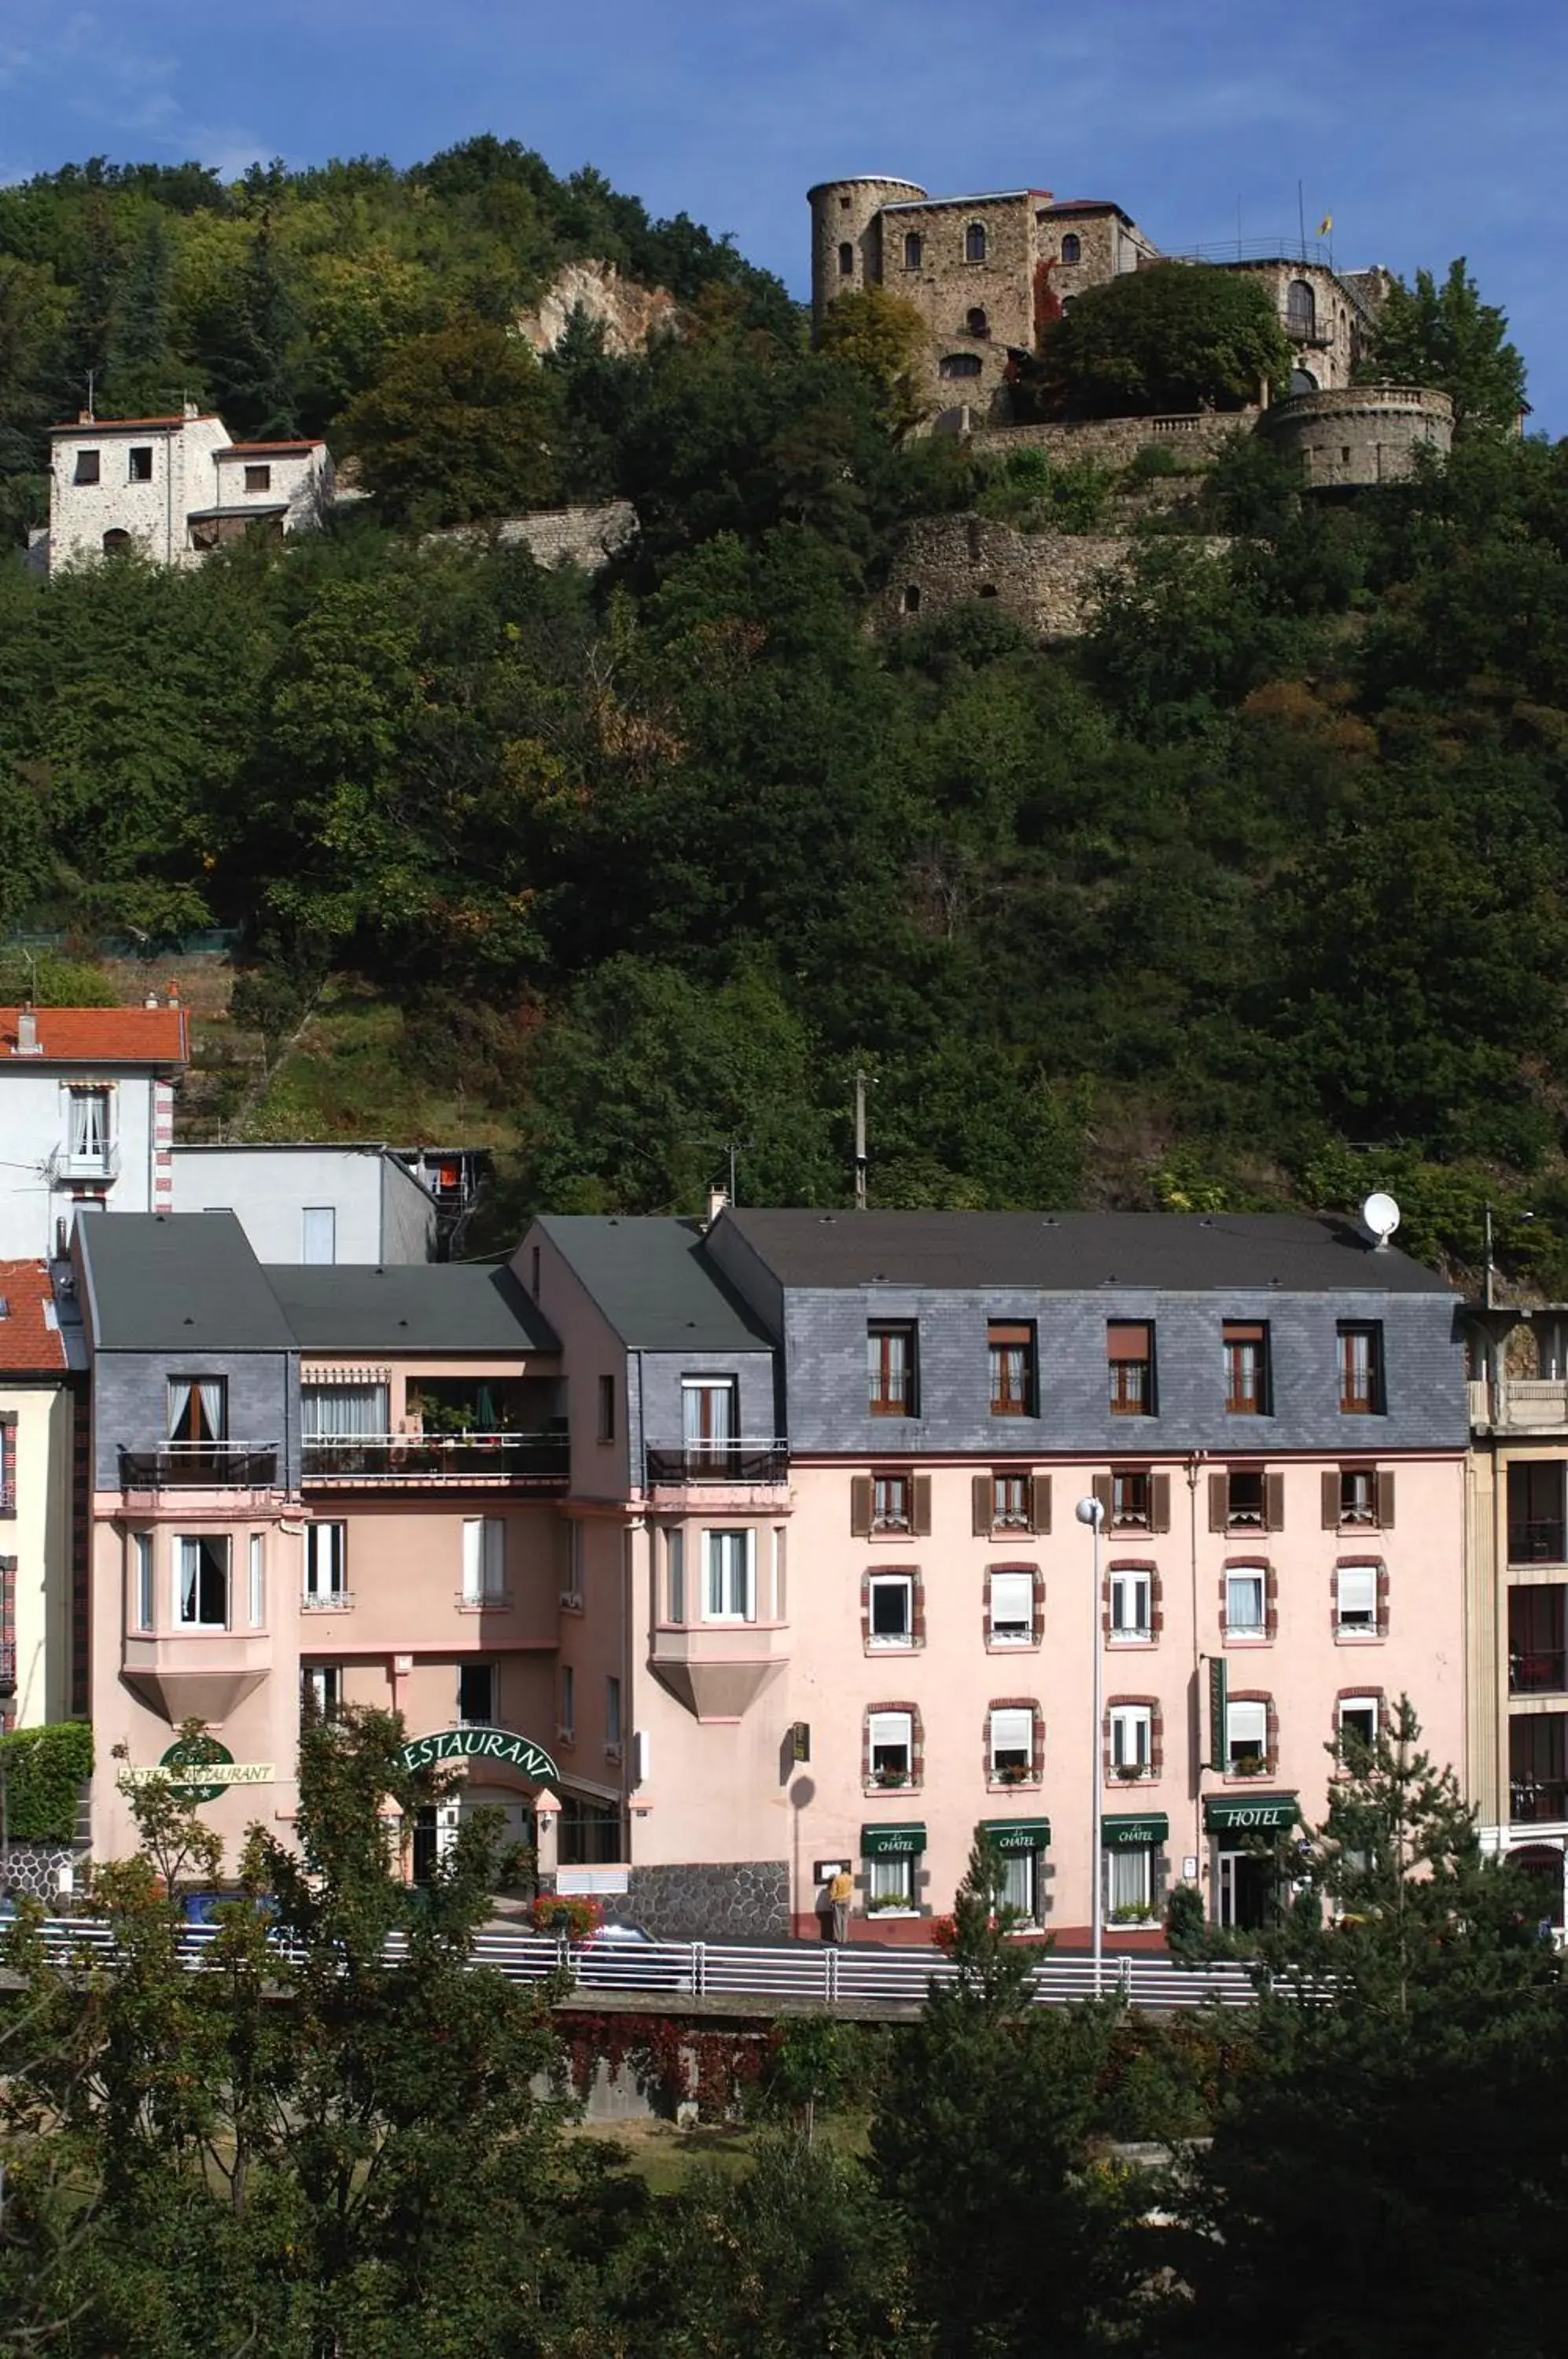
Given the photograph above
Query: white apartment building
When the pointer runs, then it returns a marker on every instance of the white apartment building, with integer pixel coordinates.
(86, 1117)
(173, 488)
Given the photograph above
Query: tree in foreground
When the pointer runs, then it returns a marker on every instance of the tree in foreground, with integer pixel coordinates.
(1446, 336)
(1390, 2173)
(462, 426)
(1179, 337)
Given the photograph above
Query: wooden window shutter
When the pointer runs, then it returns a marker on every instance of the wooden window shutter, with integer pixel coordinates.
(1274, 1503)
(860, 1506)
(1040, 1502)
(920, 1506)
(1159, 1503)
(1101, 1487)
(1331, 1496)
(1219, 1502)
(1386, 1498)
(983, 1492)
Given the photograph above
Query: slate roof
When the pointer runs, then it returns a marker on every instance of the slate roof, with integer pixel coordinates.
(1073, 1252)
(30, 1339)
(100, 1036)
(447, 1307)
(648, 1277)
(182, 1282)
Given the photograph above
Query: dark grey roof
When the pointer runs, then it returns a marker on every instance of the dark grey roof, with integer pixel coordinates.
(177, 1282)
(414, 1306)
(1069, 1251)
(648, 1277)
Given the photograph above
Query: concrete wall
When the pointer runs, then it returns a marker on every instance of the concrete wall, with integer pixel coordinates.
(268, 1190)
(184, 476)
(37, 1188)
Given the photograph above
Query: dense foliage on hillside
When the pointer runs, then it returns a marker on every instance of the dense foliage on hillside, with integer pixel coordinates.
(1255, 896)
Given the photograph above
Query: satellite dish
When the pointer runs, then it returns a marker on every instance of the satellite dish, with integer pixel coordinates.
(1380, 1217)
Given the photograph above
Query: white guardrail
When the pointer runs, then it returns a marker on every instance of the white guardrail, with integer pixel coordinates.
(807, 1974)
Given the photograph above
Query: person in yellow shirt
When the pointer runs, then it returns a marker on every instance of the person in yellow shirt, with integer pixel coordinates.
(841, 1892)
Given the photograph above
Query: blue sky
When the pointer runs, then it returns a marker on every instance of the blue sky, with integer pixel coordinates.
(1426, 127)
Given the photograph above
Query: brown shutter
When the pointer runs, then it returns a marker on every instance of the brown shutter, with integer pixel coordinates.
(1219, 1502)
(1101, 1487)
(1127, 1340)
(1159, 1503)
(983, 1491)
(1331, 1488)
(1040, 1502)
(920, 1506)
(1274, 1503)
(1386, 1498)
(860, 1506)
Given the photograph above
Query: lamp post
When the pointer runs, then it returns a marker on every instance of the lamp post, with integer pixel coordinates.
(1091, 1512)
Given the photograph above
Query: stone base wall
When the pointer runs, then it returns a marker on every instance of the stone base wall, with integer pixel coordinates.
(748, 1900)
(1116, 442)
(1366, 434)
(586, 536)
(1046, 581)
(35, 1869)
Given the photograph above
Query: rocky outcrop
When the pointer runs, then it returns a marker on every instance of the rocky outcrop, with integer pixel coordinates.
(631, 315)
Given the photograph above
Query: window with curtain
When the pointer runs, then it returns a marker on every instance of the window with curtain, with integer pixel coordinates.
(201, 1582)
(709, 1420)
(90, 1126)
(198, 1408)
(326, 1563)
(1131, 1881)
(1246, 1611)
(344, 1412)
(890, 1880)
(1018, 1874)
(483, 1558)
(730, 1590)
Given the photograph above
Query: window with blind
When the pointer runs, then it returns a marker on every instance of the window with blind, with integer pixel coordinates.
(483, 1558)
(892, 1367)
(1246, 1368)
(1130, 1355)
(891, 1739)
(1358, 1718)
(1012, 1609)
(1012, 1356)
(1356, 1600)
(1247, 1735)
(1011, 1743)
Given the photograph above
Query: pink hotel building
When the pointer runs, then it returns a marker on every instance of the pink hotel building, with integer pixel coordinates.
(765, 1536)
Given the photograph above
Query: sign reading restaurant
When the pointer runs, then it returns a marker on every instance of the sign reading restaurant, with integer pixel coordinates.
(210, 1771)
(499, 1745)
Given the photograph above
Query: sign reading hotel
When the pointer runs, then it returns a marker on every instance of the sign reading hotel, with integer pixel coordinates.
(503, 1745)
(210, 1771)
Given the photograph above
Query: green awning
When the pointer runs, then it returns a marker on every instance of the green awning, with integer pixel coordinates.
(1249, 1814)
(1119, 1831)
(1017, 1834)
(882, 1842)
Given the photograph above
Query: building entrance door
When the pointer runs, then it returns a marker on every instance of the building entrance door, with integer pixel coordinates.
(1246, 1890)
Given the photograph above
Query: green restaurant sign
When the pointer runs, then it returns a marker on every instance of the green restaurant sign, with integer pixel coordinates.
(501, 1745)
(211, 1769)
(1017, 1834)
(892, 1842)
(1121, 1832)
(1249, 1814)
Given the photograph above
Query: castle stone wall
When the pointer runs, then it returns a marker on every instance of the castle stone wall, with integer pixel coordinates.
(1045, 581)
(1116, 442)
(1364, 434)
(587, 537)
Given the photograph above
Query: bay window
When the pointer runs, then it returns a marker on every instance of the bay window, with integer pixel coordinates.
(729, 1588)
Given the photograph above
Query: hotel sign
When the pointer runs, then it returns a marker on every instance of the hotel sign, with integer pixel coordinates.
(215, 1771)
(1255, 1814)
(502, 1746)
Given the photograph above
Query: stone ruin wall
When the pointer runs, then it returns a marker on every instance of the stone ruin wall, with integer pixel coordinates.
(1116, 442)
(1045, 581)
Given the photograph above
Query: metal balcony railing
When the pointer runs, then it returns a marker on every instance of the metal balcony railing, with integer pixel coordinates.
(200, 1465)
(390, 1458)
(96, 1163)
(740, 1461)
(1542, 1542)
(1537, 1670)
(1533, 1801)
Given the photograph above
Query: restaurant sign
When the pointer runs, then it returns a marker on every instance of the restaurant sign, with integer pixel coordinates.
(502, 1746)
(214, 1767)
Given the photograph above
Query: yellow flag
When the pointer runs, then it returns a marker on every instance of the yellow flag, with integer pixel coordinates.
(1326, 225)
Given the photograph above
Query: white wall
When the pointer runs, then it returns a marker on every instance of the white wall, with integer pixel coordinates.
(184, 476)
(269, 1188)
(39, 1539)
(35, 1129)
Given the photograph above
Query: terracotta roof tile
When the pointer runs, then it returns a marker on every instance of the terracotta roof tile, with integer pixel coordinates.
(28, 1342)
(110, 1036)
(128, 425)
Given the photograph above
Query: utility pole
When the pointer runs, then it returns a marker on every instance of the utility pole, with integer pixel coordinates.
(860, 1080)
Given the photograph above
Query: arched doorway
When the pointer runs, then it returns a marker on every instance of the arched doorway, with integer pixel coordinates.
(1302, 381)
(116, 542)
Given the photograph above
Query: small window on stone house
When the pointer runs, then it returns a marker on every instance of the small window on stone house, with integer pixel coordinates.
(846, 260)
(914, 250)
(959, 364)
(258, 479)
(912, 598)
(977, 323)
(974, 243)
(116, 541)
(1072, 248)
(139, 466)
(87, 467)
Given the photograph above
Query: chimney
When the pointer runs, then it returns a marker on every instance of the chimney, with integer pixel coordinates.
(189, 409)
(27, 1043)
(173, 992)
(717, 1199)
(151, 999)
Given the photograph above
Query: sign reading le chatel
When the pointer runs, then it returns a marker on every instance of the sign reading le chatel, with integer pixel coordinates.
(500, 1744)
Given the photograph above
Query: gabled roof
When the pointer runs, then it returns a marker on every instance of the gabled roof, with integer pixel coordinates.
(1076, 1253)
(100, 1036)
(649, 1278)
(177, 1282)
(447, 1307)
(31, 1340)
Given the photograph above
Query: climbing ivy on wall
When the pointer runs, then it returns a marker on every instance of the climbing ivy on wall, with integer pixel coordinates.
(45, 1770)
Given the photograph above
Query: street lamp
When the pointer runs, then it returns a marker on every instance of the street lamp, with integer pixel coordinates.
(1091, 1512)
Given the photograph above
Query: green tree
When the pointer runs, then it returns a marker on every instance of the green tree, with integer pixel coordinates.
(460, 426)
(1178, 337)
(1446, 336)
(881, 336)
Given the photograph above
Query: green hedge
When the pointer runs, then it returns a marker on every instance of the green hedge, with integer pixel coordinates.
(46, 1770)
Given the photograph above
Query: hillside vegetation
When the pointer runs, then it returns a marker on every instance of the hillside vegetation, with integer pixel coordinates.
(1257, 896)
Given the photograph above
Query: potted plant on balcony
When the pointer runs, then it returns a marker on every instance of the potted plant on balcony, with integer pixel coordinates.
(1248, 1764)
(1130, 1771)
(1014, 1773)
(1131, 1912)
(889, 1777)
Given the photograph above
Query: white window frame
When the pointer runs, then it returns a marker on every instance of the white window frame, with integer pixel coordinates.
(143, 1592)
(319, 1226)
(1006, 1626)
(891, 1731)
(1129, 1879)
(889, 1584)
(90, 1111)
(1009, 1728)
(1363, 1607)
(1258, 1575)
(1020, 1885)
(890, 1875)
(256, 1599)
(1246, 1730)
(720, 1570)
(1360, 1704)
(484, 1560)
(1132, 1737)
(324, 1681)
(197, 1541)
(675, 1575)
(1128, 1586)
(326, 1562)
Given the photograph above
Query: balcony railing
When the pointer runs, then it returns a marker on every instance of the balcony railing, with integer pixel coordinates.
(97, 1163)
(1539, 1670)
(391, 1458)
(1537, 1800)
(1543, 1542)
(741, 1460)
(200, 1465)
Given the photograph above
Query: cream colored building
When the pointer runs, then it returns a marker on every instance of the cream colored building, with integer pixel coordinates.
(41, 1678)
(172, 489)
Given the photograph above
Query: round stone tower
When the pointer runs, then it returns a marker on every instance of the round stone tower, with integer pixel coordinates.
(1359, 434)
(846, 236)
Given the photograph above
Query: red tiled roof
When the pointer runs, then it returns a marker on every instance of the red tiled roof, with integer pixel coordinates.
(122, 425)
(28, 1342)
(101, 1036)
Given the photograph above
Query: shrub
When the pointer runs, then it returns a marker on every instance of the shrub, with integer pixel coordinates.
(46, 1770)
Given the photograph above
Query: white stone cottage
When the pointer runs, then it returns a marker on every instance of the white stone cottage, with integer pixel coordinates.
(173, 488)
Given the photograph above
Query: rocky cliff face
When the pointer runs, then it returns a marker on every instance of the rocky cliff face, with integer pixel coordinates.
(630, 314)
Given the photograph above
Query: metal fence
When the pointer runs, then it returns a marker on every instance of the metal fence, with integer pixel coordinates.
(805, 1973)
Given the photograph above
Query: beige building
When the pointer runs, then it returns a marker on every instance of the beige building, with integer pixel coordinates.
(40, 1677)
(172, 489)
